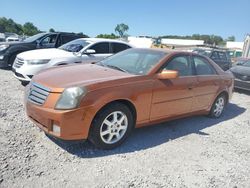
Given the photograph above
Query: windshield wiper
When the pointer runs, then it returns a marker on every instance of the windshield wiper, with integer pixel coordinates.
(117, 68)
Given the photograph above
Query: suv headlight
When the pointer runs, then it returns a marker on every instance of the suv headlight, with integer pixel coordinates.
(70, 98)
(3, 47)
(38, 61)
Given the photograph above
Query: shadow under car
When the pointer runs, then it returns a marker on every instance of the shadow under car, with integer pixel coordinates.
(151, 136)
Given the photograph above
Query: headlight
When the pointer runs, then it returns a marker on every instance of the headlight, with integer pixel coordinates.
(70, 98)
(38, 61)
(3, 47)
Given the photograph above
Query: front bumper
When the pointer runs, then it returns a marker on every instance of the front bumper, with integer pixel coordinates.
(26, 72)
(4, 61)
(74, 124)
(245, 85)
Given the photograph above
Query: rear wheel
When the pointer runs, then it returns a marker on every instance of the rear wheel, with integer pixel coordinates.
(111, 126)
(218, 106)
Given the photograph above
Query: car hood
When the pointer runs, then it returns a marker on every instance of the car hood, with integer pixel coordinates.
(243, 70)
(79, 75)
(13, 43)
(45, 54)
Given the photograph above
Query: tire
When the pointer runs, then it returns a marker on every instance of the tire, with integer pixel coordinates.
(218, 106)
(108, 133)
(24, 83)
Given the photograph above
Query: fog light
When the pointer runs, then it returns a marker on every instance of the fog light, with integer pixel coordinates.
(1, 57)
(56, 129)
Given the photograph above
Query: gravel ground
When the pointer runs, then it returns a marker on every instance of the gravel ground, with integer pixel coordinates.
(191, 152)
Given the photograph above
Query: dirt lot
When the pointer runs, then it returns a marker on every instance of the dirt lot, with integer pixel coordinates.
(192, 152)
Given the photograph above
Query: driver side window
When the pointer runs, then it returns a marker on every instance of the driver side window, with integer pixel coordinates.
(180, 64)
(49, 41)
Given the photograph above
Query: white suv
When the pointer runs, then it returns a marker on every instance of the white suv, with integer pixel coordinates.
(85, 50)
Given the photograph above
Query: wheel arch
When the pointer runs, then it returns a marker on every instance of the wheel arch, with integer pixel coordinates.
(125, 102)
(224, 92)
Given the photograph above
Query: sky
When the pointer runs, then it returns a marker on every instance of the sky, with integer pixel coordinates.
(144, 17)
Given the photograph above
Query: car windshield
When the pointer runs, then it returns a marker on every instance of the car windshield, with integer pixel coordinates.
(134, 61)
(34, 37)
(74, 46)
(203, 52)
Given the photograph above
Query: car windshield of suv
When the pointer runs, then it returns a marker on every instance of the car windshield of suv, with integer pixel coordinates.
(34, 37)
(74, 46)
(203, 52)
(134, 61)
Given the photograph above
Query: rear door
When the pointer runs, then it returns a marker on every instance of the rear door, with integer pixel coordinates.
(65, 38)
(174, 97)
(207, 86)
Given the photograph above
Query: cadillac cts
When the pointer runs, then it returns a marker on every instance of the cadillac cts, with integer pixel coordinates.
(104, 101)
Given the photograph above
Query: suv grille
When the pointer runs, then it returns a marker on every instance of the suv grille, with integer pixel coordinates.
(38, 94)
(18, 62)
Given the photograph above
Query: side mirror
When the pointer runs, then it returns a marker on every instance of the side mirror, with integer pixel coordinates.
(89, 51)
(167, 74)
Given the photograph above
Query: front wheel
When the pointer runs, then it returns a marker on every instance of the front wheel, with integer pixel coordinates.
(218, 106)
(111, 126)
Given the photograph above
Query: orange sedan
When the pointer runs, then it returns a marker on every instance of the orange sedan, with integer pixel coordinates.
(104, 101)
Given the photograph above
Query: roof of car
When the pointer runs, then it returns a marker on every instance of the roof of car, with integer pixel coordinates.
(104, 40)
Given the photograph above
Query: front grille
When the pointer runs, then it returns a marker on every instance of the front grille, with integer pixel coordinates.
(38, 94)
(18, 62)
(241, 77)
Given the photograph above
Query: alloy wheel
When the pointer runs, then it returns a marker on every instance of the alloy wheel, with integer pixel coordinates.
(219, 106)
(114, 127)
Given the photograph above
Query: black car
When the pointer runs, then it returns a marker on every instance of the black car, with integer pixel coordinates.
(241, 72)
(219, 56)
(9, 50)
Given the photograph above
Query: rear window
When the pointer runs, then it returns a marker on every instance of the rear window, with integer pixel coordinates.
(203, 67)
(203, 52)
(118, 47)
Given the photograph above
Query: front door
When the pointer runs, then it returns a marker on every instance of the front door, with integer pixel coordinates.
(102, 50)
(174, 97)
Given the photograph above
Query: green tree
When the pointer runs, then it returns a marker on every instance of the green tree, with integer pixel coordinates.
(107, 36)
(51, 30)
(121, 29)
(8, 25)
(231, 38)
(29, 29)
(83, 35)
